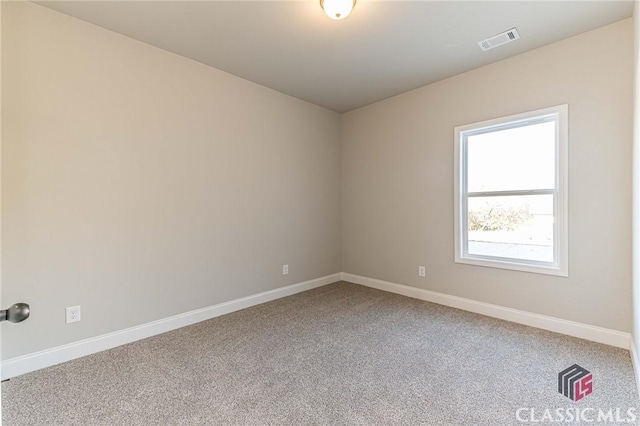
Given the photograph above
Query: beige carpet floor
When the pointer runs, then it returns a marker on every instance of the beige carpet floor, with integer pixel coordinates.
(339, 354)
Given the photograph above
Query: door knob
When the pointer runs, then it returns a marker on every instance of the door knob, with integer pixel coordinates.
(16, 313)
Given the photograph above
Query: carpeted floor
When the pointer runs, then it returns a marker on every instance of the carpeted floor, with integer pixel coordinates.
(339, 354)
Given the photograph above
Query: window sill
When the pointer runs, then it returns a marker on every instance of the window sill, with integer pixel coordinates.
(514, 266)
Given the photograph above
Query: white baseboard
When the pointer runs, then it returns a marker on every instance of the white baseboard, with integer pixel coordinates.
(584, 331)
(635, 362)
(23, 364)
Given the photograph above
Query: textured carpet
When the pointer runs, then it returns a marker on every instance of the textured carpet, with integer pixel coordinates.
(339, 354)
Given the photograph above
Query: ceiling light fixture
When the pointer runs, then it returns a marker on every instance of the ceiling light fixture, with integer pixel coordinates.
(337, 9)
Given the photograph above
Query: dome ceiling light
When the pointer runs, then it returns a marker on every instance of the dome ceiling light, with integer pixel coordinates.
(337, 9)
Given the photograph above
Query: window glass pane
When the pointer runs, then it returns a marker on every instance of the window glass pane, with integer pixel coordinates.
(512, 159)
(516, 227)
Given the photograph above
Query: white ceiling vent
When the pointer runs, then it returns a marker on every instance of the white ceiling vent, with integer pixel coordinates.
(499, 39)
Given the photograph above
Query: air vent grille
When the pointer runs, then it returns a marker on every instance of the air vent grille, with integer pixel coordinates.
(499, 39)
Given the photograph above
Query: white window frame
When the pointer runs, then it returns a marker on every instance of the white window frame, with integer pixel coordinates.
(560, 264)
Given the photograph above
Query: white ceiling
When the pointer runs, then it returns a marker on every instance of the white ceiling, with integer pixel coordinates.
(382, 49)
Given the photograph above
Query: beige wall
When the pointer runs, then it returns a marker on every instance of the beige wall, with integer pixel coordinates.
(397, 179)
(140, 184)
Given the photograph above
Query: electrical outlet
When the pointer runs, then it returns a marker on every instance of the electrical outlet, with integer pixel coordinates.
(285, 269)
(73, 314)
(422, 271)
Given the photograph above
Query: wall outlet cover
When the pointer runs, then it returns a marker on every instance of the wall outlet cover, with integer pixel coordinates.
(73, 314)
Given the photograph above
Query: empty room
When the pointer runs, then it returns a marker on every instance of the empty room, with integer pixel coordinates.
(320, 212)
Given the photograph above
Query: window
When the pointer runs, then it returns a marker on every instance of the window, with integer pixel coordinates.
(511, 192)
